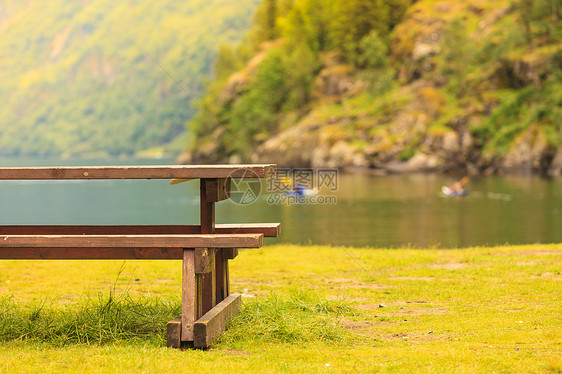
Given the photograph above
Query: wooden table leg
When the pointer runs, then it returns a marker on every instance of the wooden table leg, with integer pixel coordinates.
(207, 207)
(208, 196)
(228, 254)
(206, 277)
(221, 270)
(190, 307)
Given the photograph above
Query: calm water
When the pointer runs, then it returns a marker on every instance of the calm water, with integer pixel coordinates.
(389, 211)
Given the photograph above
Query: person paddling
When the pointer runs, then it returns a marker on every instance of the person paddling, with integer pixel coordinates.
(458, 187)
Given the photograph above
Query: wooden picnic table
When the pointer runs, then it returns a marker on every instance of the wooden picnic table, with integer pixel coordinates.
(205, 249)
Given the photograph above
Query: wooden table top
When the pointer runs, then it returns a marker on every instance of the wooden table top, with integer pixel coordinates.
(138, 172)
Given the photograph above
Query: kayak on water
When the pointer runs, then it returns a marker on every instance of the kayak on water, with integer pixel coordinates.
(447, 191)
(456, 189)
(302, 191)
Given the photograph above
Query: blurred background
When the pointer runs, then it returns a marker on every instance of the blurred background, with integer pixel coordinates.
(403, 97)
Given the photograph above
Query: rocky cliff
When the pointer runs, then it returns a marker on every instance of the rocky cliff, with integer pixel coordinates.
(466, 87)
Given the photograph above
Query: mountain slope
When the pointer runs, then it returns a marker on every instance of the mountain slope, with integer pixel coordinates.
(439, 85)
(84, 77)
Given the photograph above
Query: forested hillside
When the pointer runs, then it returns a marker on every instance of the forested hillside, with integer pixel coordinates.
(83, 77)
(396, 85)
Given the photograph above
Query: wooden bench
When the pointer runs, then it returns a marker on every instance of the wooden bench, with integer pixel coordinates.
(205, 249)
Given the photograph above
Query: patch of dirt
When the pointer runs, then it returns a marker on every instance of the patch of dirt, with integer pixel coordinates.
(351, 283)
(421, 312)
(527, 263)
(243, 282)
(532, 252)
(368, 306)
(405, 311)
(449, 266)
(548, 275)
(356, 325)
(426, 279)
(364, 328)
(343, 280)
(248, 295)
(420, 337)
(160, 280)
(249, 292)
(238, 352)
(333, 282)
(251, 288)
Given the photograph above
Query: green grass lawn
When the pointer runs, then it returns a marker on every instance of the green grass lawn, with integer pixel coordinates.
(306, 309)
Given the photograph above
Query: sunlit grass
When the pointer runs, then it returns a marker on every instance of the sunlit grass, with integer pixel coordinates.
(101, 320)
(298, 317)
(305, 309)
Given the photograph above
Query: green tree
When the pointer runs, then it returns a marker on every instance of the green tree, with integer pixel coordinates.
(354, 19)
(457, 54)
(539, 17)
(397, 10)
(309, 21)
(270, 19)
(227, 62)
(302, 65)
(253, 116)
(373, 52)
(265, 22)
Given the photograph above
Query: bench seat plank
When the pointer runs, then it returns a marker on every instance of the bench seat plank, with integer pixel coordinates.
(138, 172)
(82, 253)
(132, 241)
(267, 229)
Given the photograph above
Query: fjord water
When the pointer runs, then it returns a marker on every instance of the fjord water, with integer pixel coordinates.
(389, 211)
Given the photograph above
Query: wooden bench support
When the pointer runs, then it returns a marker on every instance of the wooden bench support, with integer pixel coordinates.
(213, 323)
(230, 253)
(173, 333)
(207, 328)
